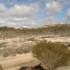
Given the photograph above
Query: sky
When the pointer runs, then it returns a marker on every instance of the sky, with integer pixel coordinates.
(34, 13)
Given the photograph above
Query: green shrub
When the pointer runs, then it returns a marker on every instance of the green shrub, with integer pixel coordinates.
(51, 54)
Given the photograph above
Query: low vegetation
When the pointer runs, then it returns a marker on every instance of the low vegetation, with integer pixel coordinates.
(59, 29)
(5, 52)
(51, 54)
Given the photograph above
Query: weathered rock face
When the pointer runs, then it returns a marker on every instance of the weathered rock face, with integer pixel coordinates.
(64, 68)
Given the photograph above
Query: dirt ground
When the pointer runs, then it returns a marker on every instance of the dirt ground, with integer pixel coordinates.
(14, 62)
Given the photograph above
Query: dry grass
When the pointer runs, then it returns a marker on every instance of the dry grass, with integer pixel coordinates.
(51, 54)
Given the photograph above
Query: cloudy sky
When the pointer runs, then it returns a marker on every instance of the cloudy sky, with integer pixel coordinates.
(33, 13)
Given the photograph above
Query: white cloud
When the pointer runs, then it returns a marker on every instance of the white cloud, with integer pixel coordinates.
(2, 8)
(68, 16)
(23, 10)
(68, 12)
(19, 10)
(17, 22)
(18, 15)
(53, 7)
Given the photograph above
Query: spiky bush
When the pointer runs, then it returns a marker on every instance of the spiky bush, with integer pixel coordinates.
(52, 55)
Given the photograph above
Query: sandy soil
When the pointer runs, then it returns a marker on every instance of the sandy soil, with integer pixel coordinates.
(20, 40)
(11, 62)
(64, 68)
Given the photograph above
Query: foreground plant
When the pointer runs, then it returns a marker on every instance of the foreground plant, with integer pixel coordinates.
(52, 55)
